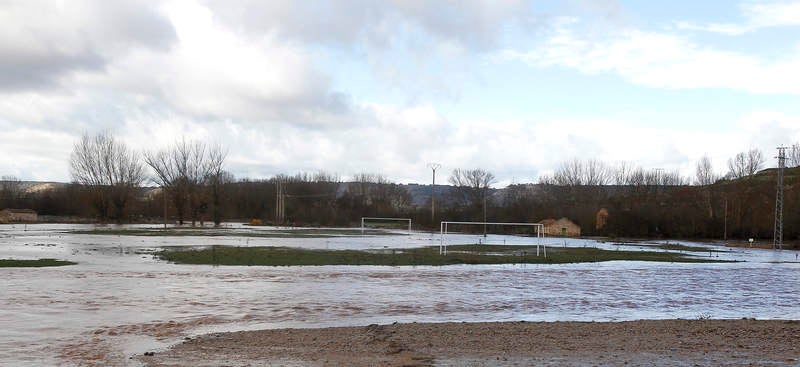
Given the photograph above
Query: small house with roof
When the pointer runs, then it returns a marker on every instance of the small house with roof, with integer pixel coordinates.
(561, 227)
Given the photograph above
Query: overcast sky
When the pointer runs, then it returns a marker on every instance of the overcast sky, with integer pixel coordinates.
(514, 87)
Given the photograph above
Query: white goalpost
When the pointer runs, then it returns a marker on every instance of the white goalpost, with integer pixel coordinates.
(378, 219)
(443, 232)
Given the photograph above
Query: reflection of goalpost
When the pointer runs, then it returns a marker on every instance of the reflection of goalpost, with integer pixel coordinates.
(383, 220)
(539, 233)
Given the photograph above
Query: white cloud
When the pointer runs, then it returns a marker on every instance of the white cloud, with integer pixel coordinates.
(663, 60)
(757, 16)
(43, 43)
(474, 24)
(34, 154)
(258, 89)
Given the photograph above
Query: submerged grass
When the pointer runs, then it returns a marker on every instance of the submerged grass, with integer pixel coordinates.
(460, 254)
(679, 247)
(218, 232)
(671, 247)
(11, 263)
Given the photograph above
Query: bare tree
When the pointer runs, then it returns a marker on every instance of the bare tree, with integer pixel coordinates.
(596, 173)
(569, 173)
(704, 172)
(793, 158)
(619, 174)
(705, 176)
(365, 187)
(673, 178)
(578, 173)
(183, 170)
(473, 187)
(217, 177)
(755, 161)
(10, 191)
(737, 166)
(745, 163)
(110, 169)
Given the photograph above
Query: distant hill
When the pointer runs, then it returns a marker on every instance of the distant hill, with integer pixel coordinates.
(33, 187)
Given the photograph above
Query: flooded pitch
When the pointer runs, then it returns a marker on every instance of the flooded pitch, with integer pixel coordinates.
(119, 301)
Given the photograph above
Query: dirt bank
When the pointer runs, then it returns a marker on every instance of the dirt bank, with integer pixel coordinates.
(633, 343)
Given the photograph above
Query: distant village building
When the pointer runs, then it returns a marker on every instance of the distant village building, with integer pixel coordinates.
(601, 218)
(17, 215)
(561, 227)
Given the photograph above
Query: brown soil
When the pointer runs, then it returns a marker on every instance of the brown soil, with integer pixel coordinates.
(633, 343)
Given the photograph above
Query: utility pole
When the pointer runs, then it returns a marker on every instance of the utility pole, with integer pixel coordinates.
(777, 237)
(725, 222)
(164, 194)
(279, 202)
(485, 192)
(433, 167)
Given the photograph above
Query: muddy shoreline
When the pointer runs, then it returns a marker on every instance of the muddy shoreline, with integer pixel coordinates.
(745, 342)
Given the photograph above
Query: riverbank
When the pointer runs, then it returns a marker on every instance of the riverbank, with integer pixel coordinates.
(632, 343)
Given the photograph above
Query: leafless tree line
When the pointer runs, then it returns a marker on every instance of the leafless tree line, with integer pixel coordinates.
(745, 164)
(185, 171)
(372, 189)
(190, 171)
(10, 191)
(593, 172)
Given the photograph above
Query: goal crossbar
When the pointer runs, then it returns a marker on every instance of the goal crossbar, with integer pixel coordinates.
(363, 219)
(443, 232)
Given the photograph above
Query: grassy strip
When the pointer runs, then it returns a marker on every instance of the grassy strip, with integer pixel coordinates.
(216, 232)
(10, 263)
(670, 247)
(462, 254)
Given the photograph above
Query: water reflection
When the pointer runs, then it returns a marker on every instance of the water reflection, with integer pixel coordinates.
(119, 300)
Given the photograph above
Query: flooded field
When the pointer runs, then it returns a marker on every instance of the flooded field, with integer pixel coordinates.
(119, 301)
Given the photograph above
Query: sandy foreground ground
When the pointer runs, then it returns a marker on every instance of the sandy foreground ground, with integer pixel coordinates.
(634, 343)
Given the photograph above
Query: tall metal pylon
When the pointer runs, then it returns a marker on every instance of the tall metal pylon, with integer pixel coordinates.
(777, 237)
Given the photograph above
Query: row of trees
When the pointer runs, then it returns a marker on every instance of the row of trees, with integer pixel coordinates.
(191, 172)
(193, 184)
(592, 172)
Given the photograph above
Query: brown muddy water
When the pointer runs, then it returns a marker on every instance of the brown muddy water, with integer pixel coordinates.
(119, 301)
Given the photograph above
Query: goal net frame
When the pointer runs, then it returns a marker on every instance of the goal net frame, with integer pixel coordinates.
(443, 232)
(363, 219)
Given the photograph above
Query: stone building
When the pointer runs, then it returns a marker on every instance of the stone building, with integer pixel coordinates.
(17, 215)
(561, 227)
(601, 218)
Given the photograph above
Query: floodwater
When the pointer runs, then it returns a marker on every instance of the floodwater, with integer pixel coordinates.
(119, 301)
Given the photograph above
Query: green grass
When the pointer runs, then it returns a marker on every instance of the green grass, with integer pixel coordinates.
(218, 232)
(671, 247)
(10, 263)
(461, 254)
